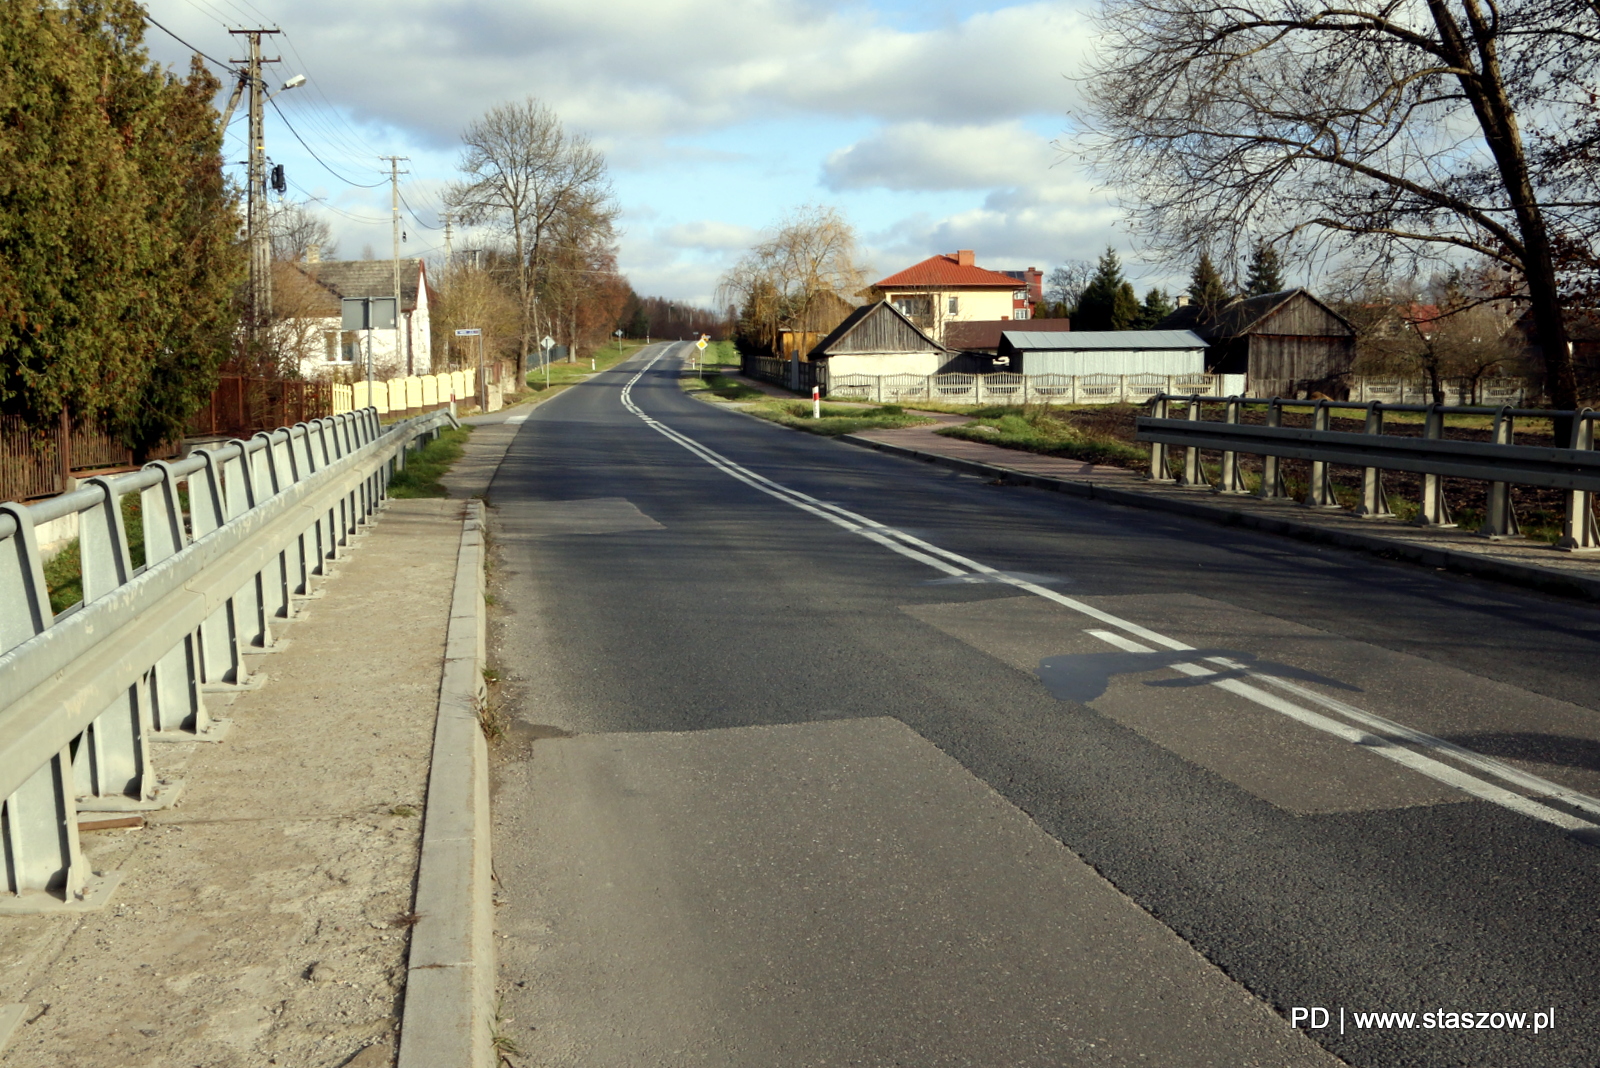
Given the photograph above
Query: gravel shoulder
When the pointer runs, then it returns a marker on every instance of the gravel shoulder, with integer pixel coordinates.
(264, 919)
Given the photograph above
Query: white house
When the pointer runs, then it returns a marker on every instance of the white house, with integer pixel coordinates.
(407, 350)
(949, 289)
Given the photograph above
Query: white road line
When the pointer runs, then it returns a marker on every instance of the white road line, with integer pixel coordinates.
(1379, 738)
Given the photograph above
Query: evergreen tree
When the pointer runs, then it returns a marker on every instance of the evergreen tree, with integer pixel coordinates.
(1265, 271)
(1098, 307)
(1206, 288)
(1156, 307)
(1125, 308)
(119, 251)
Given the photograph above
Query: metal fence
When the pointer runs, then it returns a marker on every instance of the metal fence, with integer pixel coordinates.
(232, 536)
(39, 462)
(241, 405)
(1002, 388)
(1500, 462)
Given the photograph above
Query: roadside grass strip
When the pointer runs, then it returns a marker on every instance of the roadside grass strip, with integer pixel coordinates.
(1375, 734)
(420, 477)
(1040, 431)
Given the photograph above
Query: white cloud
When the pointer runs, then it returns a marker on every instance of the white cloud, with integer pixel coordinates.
(709, 235)
(925, 156)
(660, 68)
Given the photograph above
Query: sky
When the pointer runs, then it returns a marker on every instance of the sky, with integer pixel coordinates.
(931, 125)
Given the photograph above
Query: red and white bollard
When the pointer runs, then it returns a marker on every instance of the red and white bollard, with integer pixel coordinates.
(816, 402)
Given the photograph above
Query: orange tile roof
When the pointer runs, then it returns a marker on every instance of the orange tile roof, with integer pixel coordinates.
(946, 271)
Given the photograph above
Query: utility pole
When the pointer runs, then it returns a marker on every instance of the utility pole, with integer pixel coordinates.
(256, 210)
(448, 258)
(394, 202)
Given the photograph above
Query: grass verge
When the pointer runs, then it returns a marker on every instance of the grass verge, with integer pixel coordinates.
(1047, 432)
(721, 386)
(566, 374)
(425, 466)
(836, 419)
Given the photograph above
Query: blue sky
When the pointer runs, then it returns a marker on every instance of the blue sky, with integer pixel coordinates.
(930, 124)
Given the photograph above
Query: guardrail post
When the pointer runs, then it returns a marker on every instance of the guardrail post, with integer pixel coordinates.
(240, 493)
(1499, 518)
(1374, 502)
(39, 822)
(1319, 494)
(1581, 533)
(176, 702)
(111, 764)
(1272, 487)
(271, 479)
(1433, 510)
(221, 658)
(1193, 473)
(1160, 468)
(1230, 479)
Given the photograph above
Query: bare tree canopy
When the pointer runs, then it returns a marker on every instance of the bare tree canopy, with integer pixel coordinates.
(295, 230)
(1404, 131)
(809, 263)
(539, 184)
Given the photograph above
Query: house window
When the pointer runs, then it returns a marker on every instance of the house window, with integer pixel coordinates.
(330, 345)
(955, 305)
(1020, 313)
(915, 307)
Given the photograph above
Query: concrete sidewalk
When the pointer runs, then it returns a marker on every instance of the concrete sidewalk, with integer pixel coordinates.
(264, 920)
(1512, 560)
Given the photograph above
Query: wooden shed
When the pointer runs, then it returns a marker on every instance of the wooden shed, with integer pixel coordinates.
(878, 339)
(1287, 344)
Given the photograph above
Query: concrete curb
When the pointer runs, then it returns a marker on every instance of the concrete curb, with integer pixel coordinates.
(1546, 579)
(449, 1012)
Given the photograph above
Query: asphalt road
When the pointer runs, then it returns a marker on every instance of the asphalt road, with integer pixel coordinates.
(649, 587)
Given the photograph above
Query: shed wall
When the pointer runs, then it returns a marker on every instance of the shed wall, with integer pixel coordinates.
(1113, 362)
(886, 363)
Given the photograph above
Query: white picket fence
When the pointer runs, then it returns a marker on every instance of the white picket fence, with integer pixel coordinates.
(1018, 389)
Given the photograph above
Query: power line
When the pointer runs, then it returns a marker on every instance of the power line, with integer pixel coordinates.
(185, 44)
(308, 148)
(414, 216)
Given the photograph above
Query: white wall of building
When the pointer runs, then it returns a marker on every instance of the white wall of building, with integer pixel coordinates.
(892, 363)
(1115, 362)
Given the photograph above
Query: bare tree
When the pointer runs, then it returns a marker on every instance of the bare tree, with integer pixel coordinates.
(294, 230)
(1065, 285)
(523, 172)
(1402, 131)
(810, 258)
(472, 298)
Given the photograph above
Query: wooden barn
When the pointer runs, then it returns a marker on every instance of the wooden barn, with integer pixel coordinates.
(826, 311)
(1287, 344)
(878, 339)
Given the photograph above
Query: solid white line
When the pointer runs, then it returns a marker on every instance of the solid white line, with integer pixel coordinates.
(1379, 743)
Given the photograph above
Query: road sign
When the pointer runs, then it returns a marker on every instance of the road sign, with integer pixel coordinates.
(701, 344)
(547, 342)
(474, 332)
(367, 313)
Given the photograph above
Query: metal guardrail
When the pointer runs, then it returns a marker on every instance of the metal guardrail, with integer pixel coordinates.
(1501, 463)
(84, 694)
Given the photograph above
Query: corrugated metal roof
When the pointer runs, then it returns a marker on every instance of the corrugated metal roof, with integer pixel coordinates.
(1102, 340)
(945, 271)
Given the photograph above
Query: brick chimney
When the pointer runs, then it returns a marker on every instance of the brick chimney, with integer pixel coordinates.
(964, 257)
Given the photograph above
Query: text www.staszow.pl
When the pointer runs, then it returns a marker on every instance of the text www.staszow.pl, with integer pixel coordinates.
(1317, 1018)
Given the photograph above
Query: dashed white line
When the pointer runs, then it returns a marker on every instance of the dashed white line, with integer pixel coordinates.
(1380, 736)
